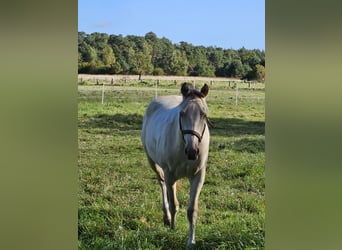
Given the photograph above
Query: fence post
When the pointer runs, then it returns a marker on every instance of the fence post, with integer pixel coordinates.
(102, 93)
(236, 93)
(156, 90)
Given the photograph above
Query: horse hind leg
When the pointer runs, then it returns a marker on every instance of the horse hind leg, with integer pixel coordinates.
(172, 197)
(165, 203)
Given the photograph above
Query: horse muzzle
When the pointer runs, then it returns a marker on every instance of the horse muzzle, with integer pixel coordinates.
(192, 153)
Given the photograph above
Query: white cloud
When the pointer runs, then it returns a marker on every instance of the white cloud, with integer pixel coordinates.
(103, 24)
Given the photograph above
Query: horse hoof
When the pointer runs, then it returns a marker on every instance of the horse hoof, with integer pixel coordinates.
(167, 222)
(191, 243)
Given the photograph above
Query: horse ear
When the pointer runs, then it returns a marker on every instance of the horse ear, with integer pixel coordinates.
(185, 89)
(205, 90)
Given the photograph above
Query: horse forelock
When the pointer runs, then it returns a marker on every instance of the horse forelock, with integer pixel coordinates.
(195, 92)
(195, 96)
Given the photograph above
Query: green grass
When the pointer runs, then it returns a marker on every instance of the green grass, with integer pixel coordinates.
(120, 199)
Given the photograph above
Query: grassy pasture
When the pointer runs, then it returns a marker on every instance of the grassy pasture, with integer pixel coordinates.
(119, 197)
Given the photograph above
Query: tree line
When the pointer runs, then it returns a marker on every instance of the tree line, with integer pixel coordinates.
(100, 53)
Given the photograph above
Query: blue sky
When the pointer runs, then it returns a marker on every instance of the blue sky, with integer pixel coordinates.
(221, 23)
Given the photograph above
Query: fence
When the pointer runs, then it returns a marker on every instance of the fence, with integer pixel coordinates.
(108, 92)
(168, 81)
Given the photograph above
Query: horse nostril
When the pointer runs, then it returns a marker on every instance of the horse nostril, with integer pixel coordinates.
(192, 154)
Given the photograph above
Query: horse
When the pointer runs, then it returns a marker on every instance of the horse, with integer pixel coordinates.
(175, 136)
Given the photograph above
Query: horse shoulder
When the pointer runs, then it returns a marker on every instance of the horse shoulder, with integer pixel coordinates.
(158, 132)
(168, 102)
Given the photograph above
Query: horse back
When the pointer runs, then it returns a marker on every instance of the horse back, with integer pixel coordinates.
(163, 103)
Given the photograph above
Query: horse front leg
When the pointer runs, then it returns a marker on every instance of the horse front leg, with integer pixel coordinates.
(196, 184)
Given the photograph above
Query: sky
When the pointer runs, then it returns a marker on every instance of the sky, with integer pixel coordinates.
(228, 24)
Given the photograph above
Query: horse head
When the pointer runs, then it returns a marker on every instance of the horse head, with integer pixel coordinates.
(193, 118)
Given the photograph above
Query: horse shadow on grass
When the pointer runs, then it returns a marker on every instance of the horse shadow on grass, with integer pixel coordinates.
(236, 127)
(125, 122)
(222, 127)
(116, 122)
(248, 136)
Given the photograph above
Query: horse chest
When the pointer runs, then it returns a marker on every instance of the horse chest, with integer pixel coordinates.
(184, 168)
(175, 161)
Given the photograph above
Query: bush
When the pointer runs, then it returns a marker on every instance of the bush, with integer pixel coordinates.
(158, 72)
(86, 67)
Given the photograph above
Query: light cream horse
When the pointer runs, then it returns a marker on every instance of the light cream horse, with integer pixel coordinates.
(175, 136)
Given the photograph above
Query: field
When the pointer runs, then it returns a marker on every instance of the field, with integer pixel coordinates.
(119, 197)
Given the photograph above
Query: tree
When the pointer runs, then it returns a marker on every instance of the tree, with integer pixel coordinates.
(143, 63)
(248, 72)
(229, 55)
(108, 57)
(178, 63)
(142, 58)
(253, 59)
(198, 61)
(89, 54)
(244, 55)
(223, 71)
(215, 57)
(97, 40)
(151, 37)
(188, 49)
(102, 53)
(119, 46)
(260, 72)
(160, 51)
(164, 55)
(203, 69)
(158, 72)
(236, 69)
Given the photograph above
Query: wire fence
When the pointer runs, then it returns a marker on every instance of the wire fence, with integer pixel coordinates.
(104, 93)
(169, 81)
